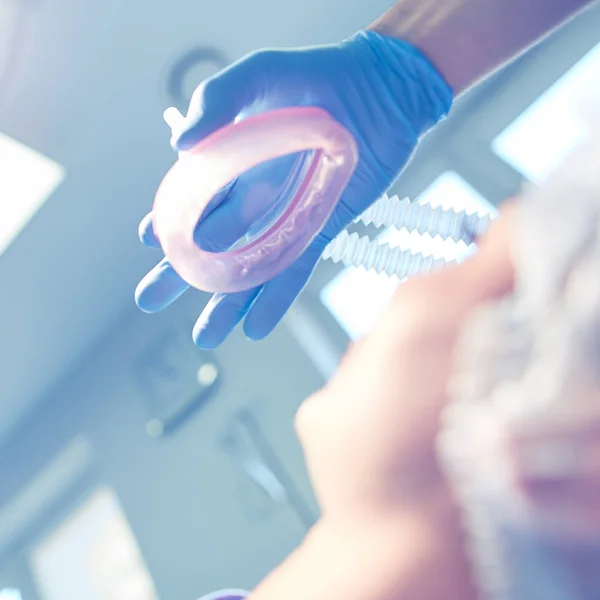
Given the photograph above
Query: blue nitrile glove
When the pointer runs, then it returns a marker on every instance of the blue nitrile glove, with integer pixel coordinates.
(226, 595)
(381, 89)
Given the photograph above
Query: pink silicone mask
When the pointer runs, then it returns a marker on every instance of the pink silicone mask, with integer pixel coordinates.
(311, 193)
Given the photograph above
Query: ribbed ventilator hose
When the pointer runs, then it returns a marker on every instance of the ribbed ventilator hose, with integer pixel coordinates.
(424, 218)
(353, 250)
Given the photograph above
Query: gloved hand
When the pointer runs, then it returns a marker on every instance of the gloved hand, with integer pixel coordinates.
(383, 90)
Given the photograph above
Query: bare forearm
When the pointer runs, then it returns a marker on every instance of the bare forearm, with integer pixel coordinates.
(468, 39)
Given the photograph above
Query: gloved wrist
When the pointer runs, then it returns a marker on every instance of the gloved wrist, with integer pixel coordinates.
(405, 79)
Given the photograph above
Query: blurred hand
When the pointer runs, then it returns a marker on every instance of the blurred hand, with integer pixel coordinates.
(381, 89)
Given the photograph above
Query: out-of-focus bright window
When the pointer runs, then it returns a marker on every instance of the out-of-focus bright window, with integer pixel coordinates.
(545, 134)
(92, 554)
(27, 180)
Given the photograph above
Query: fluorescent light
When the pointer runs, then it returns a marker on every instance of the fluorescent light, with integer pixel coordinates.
(546, 133)
(356, 298)
(10, 594)
(27, 180)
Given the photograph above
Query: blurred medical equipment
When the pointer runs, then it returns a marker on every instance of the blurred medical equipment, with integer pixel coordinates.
(174, 381)
(244, 441)
(196, 64)
(284, 229)
(521, 440)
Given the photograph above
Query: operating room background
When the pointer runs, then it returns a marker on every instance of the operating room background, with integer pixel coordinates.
(115, 431)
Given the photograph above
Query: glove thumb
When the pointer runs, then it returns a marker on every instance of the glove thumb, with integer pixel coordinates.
(215, 103)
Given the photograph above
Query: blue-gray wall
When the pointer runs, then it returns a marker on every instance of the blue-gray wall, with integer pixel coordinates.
(200, 521)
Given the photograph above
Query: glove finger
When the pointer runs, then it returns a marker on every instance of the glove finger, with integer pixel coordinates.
(245, 208)
(220, 316)
(146, 232)
(279, 294)
(159, 288)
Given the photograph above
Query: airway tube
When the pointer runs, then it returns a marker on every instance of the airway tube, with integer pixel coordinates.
(225, 155)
